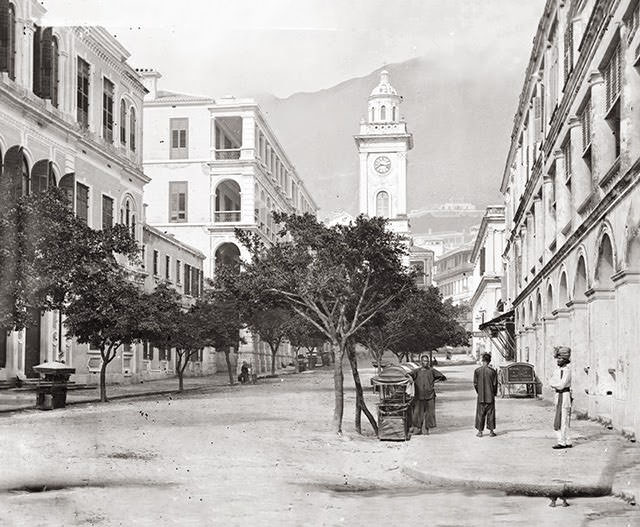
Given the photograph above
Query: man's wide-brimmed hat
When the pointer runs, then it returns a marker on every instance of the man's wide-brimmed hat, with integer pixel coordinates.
(562, 352)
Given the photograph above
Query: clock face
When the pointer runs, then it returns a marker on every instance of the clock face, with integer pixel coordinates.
(382, 164)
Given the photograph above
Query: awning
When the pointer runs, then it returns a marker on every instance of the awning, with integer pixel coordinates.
(501, 330)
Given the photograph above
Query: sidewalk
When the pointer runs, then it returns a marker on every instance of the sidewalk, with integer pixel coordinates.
(18, 400)
(520, 459)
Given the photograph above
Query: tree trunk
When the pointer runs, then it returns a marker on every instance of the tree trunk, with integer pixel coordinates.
(180, 370)
(338, 383)
(103, 375)
(273, 360)
(228, 361)
(361, 406)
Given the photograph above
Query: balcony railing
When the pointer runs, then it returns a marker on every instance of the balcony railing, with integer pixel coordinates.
(228, 216)
(227, 153)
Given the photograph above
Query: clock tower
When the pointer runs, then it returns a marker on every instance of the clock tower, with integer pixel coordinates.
(383, 143)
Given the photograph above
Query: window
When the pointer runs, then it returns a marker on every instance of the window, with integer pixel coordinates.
(179, 138)
(167, 267)
(107, 110)
(373, 114)
(132, 129)
(107, 212)
(383, 113)
(83, 93)
(8, 38)
(568, 50)
(178, 201)
(144, 256)
(483, 256)
(585, 121)
(82, 202)
(45, 64)
(612, 74)
(553, 73)
(394, 114)
(178, 265)
(568, 161)
(382, 204)
(123, 122)
(155, 263)
(187, 279)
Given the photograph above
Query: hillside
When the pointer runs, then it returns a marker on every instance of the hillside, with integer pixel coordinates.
(461, 121)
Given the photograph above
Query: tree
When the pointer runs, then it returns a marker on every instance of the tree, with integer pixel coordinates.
(45, 249)
(337, 278)
(106, 313)
(302, 334)
(271, 326)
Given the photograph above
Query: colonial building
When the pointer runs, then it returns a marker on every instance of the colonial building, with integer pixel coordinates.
(167, 259)
(486, 302)
(573, 204)
(454, 274)
(70, 109)
(421, 261)
(216, 165)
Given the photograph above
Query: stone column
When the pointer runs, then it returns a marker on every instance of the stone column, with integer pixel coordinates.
(550, 325)
(538, 208)
(364, 185)
(627, 315)
(580, 174)
(583, 370)
(248, 137)
(563, 198)
(548, 195)
(601, 309)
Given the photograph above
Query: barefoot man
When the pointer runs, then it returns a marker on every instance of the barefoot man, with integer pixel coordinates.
(561, 383)
(424, 402)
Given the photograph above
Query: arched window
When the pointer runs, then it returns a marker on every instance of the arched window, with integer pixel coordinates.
(123, 122)
(228, 205)
(394, 114)
(128, 215)
(8, 38)
(132, 129)
(383, 113)
(26, 178)
(382, 204)
(228, 255)
(373, 114)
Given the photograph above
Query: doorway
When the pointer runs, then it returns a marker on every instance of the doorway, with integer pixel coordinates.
(32, 346)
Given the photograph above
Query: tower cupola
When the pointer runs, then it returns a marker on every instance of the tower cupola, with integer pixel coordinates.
(384, 102)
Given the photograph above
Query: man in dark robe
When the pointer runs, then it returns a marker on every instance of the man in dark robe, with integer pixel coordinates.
(485, 381)
(424, 401)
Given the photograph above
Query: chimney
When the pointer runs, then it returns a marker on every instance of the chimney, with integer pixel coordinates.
(150, 80)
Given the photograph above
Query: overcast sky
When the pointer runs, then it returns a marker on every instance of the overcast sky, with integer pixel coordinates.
(243, 47)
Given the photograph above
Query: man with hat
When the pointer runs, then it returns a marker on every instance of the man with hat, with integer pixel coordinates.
(561, 383)
(424, 401)
(485, 381)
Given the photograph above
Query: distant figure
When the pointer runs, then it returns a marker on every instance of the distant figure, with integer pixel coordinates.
(244, 373)
(424, 402)
(561, 383)
(485, 381)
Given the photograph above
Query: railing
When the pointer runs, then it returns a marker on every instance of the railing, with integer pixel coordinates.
(227, 153)
(227, 216)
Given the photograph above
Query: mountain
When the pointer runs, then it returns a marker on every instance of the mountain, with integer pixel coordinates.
(460, 113)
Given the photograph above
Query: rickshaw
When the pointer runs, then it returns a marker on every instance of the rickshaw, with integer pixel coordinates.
(395, 387)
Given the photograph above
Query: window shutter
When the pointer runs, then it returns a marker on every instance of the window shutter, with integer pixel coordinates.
(537, 110)
(12, 172)
(5, 32)
(46, 61)
(37, 60)
(68, 186)
(40, 176)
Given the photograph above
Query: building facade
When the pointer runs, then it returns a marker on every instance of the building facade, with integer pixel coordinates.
(486, 303)
(421, 261)
(383, 144)
(454, 274)
(216, 165)
(167, 259)
(573, 204)
(70, 109)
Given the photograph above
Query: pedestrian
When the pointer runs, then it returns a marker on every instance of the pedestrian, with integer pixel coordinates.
(424, 401)
(485, 381)
(244, 373)
(561, 383)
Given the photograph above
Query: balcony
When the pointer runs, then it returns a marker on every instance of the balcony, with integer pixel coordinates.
(227, 154)
(228, 216)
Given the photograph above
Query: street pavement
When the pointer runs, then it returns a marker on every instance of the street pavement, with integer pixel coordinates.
(261, 454)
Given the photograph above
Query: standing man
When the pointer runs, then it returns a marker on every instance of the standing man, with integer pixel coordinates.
(485, 381)
(561, 383)
(424, 401)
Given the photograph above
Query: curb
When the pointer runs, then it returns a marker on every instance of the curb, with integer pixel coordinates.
(514, 488)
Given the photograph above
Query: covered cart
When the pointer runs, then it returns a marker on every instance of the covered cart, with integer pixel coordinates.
(395, 386)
